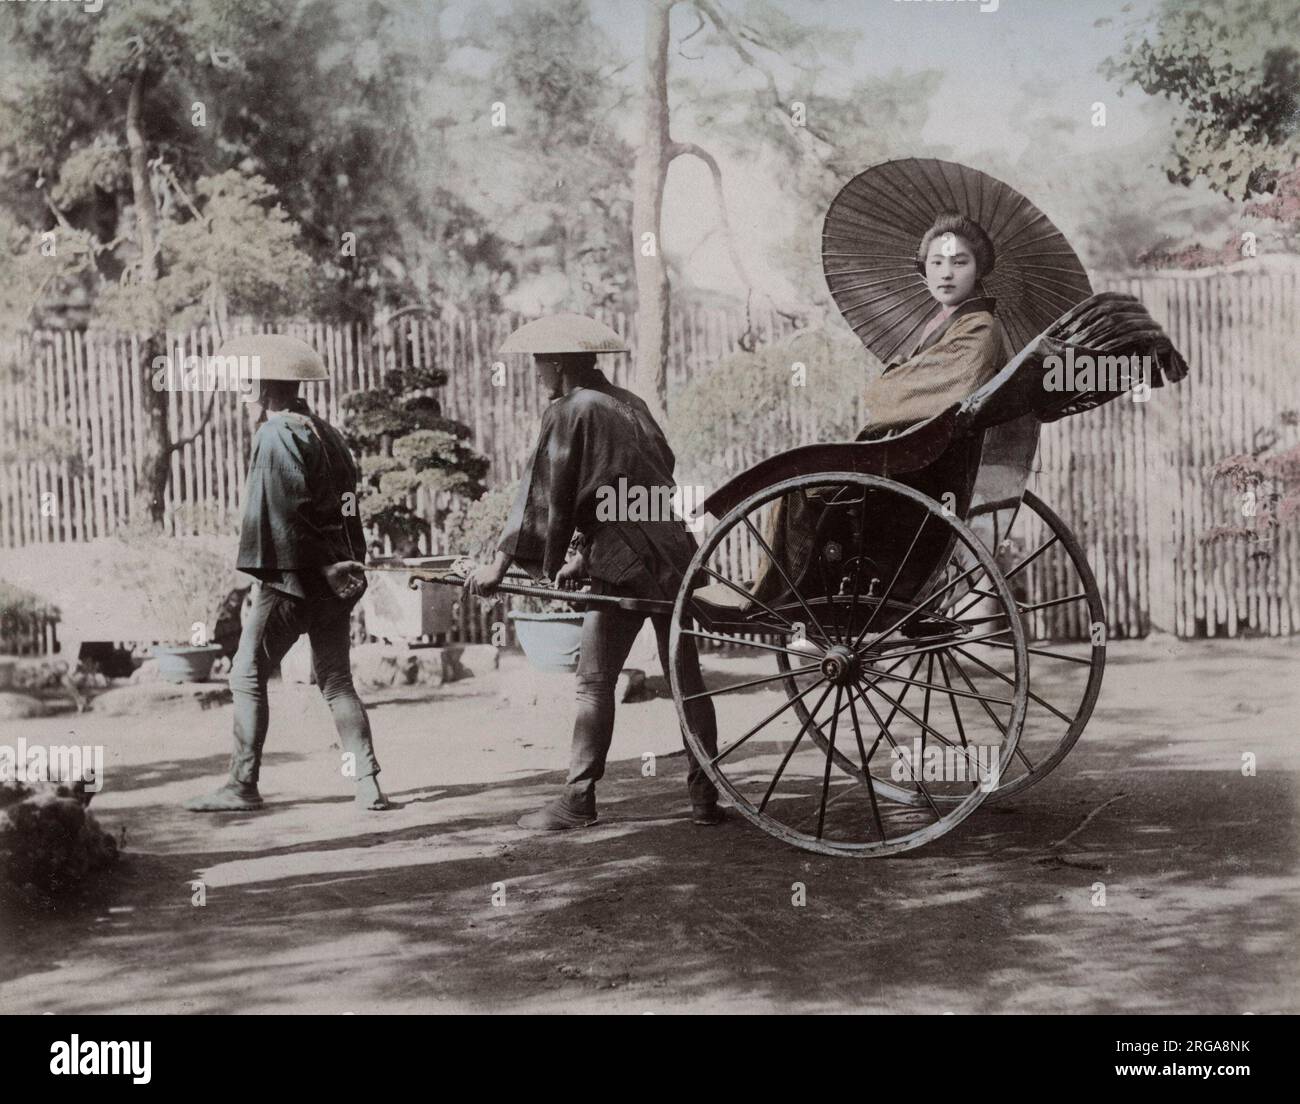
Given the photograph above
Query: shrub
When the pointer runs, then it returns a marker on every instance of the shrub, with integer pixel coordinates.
(22, 616)
(754, 404)
(50, 844)
(473, 530)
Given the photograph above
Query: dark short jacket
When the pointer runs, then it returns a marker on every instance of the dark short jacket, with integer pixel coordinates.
(301, 508)
(589, 440)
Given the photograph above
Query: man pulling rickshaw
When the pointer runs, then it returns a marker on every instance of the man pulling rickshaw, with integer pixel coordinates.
(595, 436)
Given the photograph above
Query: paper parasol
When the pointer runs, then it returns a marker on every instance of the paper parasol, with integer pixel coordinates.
(874, 227)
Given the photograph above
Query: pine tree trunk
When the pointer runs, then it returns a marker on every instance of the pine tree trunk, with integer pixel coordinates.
(651, 170)
(156, 461)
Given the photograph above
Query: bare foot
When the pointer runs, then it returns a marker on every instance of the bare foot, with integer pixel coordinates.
(370, 797)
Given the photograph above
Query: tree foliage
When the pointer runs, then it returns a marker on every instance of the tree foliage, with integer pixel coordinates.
(232, 252)
(554, 179)
(1267, 481)
(1233, 67)
(726, 419)
(317, 105)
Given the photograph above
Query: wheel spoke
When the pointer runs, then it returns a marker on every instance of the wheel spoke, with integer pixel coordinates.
(921, 649)
(866, 771)
(1031, 557)
(1011, 682)
(990, 643)
(925, 709)
(830, 751)
(1018, 568)
(1054, 602)
(784, 577)
(752, 682)
(952, 701)
(791, 750)
(1029, 609)
(884, 730)
(956, 666)
(767, 720)
(750, 597)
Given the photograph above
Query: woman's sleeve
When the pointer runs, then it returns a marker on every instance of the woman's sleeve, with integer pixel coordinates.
(969, 354)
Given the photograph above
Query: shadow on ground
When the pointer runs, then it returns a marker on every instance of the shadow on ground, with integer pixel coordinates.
(1180, 896)
(646, 910)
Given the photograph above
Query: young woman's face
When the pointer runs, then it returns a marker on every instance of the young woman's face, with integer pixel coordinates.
(950, 269)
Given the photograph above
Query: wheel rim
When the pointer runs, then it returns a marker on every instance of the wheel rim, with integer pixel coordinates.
(766, 763)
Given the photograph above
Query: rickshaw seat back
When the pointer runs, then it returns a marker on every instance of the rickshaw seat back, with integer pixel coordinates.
(913, 450)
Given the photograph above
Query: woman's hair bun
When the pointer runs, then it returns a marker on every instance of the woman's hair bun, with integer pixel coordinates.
(950, 222)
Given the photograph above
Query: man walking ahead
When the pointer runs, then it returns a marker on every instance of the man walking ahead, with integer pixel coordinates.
(302, 541)
(596, 437)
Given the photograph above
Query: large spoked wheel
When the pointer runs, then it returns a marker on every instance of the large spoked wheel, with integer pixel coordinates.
(1061, 610)
(842, 764)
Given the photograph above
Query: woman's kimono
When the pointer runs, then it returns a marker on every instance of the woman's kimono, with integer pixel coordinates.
(949, 363)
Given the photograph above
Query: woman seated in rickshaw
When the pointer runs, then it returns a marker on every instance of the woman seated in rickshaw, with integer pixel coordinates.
(960, 348)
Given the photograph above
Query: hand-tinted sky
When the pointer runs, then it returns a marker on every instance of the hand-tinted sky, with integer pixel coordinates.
(1029, 59)
(989, 57)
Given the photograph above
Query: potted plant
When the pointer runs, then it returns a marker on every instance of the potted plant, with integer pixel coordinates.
(407, 449)
(552, 640)
(549, 637)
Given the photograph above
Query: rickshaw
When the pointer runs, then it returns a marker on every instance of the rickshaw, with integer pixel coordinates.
(885, 692)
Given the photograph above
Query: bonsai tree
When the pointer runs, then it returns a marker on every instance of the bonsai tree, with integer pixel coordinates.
(405, 445)
(474, 527)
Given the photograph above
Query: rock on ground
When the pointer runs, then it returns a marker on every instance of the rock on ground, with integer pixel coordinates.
(149, 697)
(15, 707)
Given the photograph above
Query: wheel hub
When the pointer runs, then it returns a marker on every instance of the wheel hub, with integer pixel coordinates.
(840, 665)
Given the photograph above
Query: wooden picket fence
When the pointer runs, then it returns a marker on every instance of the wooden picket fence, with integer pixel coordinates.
(1130, 478)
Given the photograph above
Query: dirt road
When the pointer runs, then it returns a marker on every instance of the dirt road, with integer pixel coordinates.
(311, 907)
